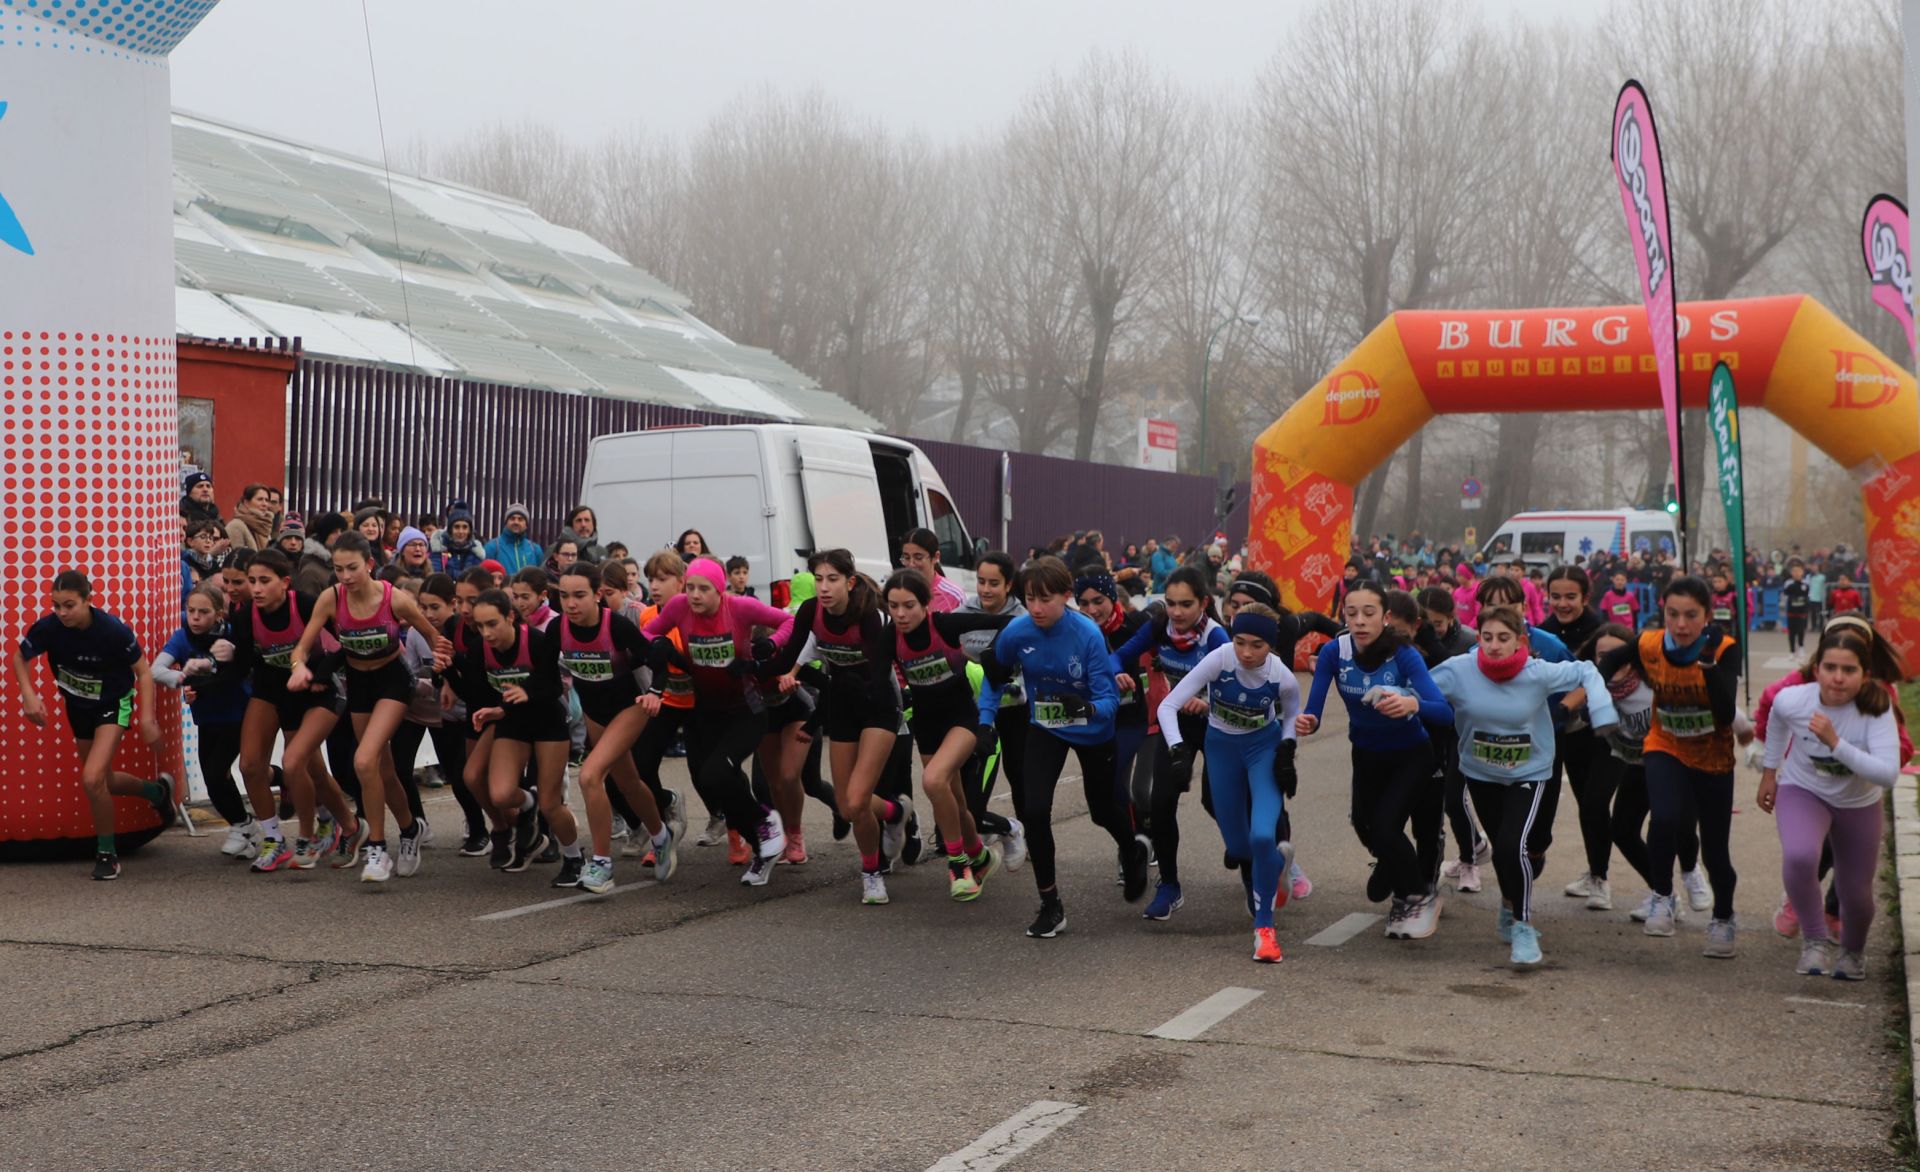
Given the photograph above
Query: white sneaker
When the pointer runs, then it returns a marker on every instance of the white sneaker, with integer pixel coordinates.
(620, 828)
(1699, 890)
(1451, 868)
(1581, 887)
(243, 839)
(773, 835)
(1397, 919)
(1467, 878)
(379, 866)
(893, 835)
(873, 887)
(716, 832)
(406, 861)
(1814, 961)
(1660, 917)
(1421, 914)
(676, 815)
(426, 837)
(1639, 915)
(635, 844)
(1014, 845)
(1599, 895)
(1719, 940)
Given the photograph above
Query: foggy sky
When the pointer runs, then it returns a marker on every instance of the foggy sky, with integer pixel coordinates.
(298, 68)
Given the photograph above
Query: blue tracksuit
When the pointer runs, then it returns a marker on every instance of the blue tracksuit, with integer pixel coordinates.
(1070, 656)
(1404, 672)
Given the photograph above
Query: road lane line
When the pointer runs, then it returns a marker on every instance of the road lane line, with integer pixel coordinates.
(549, 905)
(1020, 1133)
(1209, 1013)
(1344, 929)
(1824, 1001)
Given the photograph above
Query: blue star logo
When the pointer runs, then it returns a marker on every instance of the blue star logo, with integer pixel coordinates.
(1586, 545)
(11, 233)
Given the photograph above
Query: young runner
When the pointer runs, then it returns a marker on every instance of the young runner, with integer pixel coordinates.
(665, 575)
(199, 661)
(1576, 748)
(1619, 604)
(1098, 594)
(1796, 603)
(440, 602)
(1443, 637)
(994, 576)
(920, 550)
(1252, 702)
(521, 666)
(1071, 704)
(100, 670)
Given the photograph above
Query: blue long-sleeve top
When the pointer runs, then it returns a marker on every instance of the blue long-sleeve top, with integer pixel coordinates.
(1070, 656)
(1404, 672)
(1506, 729)
(1169, 660)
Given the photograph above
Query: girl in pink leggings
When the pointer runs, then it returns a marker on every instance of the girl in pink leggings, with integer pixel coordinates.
(1832, 752)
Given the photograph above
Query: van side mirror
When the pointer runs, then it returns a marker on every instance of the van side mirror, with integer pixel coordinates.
(980, 548)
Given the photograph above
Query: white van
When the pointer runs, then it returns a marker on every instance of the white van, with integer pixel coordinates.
(1546, 539)
(773, 493)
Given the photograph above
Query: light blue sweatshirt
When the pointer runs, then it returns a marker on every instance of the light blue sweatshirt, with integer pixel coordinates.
(1506, 730)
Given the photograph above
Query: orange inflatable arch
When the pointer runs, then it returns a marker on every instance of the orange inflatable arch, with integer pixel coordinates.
(1789, 355)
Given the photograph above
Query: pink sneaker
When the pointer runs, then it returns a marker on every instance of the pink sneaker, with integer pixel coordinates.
(1302, 886)
(796, 852)
(1785, 921)
(1833, 927)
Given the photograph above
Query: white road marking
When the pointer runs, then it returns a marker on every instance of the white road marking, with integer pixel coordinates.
(1021, 1132)
(1834, 1004)
(550, 904)
(1209, 1013)
(1344, 929)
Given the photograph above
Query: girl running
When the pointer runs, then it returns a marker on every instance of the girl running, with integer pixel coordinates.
(1689, 749)
(943, 720)
(1252, 703)
(452, 724)
(1071, 704)
(1833, 750)
(1098, 594)
(1500, 696)
(920, 550)
(98, 666)
(1576, 749)
(465, 688)
(665, 575)
(599, 650)
(994, 577)
(1443, 638)
(1176, 639)
(379, 690)
(523, 710)
(199, 660)
(1619, 605)
(1388, 694)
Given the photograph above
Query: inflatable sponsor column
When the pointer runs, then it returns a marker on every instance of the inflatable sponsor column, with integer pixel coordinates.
(89, 460)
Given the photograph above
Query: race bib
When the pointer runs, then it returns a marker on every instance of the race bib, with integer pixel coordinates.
(74, 684)
(1240, 717)
(1686, 722)
(1830, 767)
(1051, 714)
(842, 654)
(1502, 751)
(1622, 610)
(1722, 614)
(714, 651)
(366, 642)
(590, 667)
(503, 678)
(1139, 690)
(278, 655)
(927, 670)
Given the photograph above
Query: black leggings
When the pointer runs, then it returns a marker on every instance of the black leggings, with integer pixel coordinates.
(1463, 829)
(1509, 811)
(1046, 756)
(1389, 787)
(1010, 724)
(650, 749)
(405, 747)
(1681, 796)
(450, 746)
(1630, 816)
(1163, 818)
(219, 749)
(1579, 754)
(1796, 632)
(719, 743)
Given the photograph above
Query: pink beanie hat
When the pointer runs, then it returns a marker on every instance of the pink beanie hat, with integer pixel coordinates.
(710, 570)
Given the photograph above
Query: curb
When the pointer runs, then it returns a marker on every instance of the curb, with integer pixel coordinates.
(1906, 862)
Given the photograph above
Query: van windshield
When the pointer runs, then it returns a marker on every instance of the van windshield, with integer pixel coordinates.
(1652, 541)
(1543, 542)
(1502, 543)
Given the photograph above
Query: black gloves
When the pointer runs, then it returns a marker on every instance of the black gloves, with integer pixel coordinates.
(1180, 758)
(983, 743)
(1073, 704)
(1283, 771)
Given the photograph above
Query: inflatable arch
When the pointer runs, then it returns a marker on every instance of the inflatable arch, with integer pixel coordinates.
(1789, 355)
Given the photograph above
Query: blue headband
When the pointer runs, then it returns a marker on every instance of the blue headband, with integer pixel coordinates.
(1258, 625)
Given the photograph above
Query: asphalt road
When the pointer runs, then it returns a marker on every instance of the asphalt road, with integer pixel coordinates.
(196, 1016)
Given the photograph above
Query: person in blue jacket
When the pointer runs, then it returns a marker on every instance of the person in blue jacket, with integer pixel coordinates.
(1384, 684)
(1071, 704)
(199, 660)
(1500, 695)
(514, 549)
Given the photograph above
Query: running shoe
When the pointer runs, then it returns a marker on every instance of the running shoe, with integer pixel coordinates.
(961, 884)
(1599, 895)
(796, 852)
(1284, 891)
(666, 858)
(163, 804)
(620, 828)
(1467, 878)
(1051, 921)
(773, 835)
(915, 847)
(893, 835)
(569, 873)
(346, 850)
(406, 852)
(715, 833)
(597, 876)
(1422, 915)
(758, 871)
(552, 852)
(841, 827)
(1851, 966)
(1503, 924)
(1526, 945)
(527, 841)
(243, 839)
(426, 832)
(1013, 847)
(307, 854)
(106, 866)
(1639, 915)
(379, 866)
(738, 852)
(1699, 889)
(1814, 959)
(1397, 920)
(1166, 900)
(1133, 858)
(1451, 868)
(1266, 946)
(1660, 917)
(326, 829)
(1786, 921)
(475, 844)
(1482, 851)
(873, 887)
(676, 815)
(635, 845)
(275, 855)
(1580, 888)
(1379, 885)
(986, 864)
(1302, 886)
(1719, 940)
(500, 849)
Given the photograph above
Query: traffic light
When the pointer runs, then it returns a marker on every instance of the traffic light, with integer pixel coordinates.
(1673, 507)
(1229, 496)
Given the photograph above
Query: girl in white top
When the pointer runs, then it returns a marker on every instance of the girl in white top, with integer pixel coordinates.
(1832, 752)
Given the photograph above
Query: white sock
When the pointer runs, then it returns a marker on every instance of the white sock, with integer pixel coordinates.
(526, 800)
(571, 850)
(602, 860)
(270, 827)
(660, 839)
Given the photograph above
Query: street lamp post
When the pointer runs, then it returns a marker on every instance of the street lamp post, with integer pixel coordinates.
(1206, 364)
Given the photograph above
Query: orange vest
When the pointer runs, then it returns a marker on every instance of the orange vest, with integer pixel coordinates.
(1683, 725)
(677, 691)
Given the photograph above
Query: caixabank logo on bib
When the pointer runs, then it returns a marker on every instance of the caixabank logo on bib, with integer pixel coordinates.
(1352, 397)
(1861, 382)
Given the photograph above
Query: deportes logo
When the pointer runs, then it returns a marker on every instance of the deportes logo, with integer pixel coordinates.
(1634, 174)
(11, 233)
(1861, 382)
(1352, 397)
